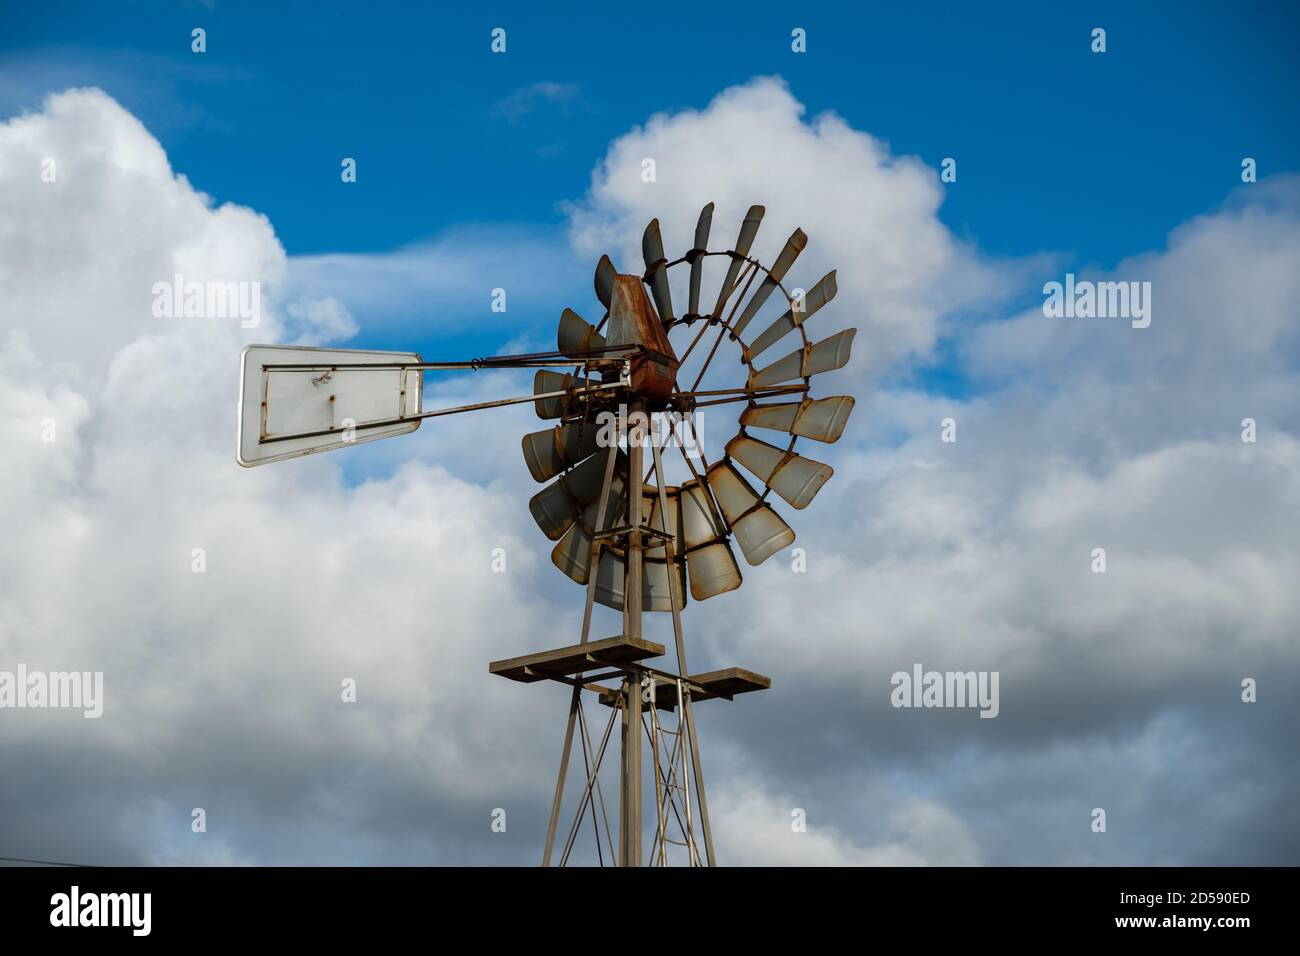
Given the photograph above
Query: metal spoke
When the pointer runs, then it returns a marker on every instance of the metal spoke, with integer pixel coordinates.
(600, 754)
(600, 796)
(751, 270)
(586, 763)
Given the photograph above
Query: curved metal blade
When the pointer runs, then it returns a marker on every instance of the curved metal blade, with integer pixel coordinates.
(821, 419)
(713, 570)
(825, 356)
(572, 554)
(650, 506)
(793, 477)
(558, 505)
(709, 562)
(611, 580)
(816, 297)
(550, 451)
(546, 381)
(655, 589)
(652, 250)
(605, 273)
(793, 246)
(759, 530)
(748, 229)
(576, 337)
(611, 573)
(696, 257)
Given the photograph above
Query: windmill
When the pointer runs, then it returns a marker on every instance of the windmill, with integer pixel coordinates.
(637, 542)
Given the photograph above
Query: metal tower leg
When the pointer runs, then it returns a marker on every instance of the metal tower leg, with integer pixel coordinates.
(630, 819)
(576, 702)
(687, 713)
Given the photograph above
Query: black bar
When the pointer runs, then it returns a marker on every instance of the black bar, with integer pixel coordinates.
(913, 908)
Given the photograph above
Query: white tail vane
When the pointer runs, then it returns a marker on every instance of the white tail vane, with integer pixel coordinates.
(296, 401)
(636, 541)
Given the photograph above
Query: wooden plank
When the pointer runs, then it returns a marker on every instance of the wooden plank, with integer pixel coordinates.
(610, 652)
(731, 681)
(724, 684)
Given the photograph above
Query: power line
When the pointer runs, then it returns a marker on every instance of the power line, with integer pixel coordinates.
(19, 859)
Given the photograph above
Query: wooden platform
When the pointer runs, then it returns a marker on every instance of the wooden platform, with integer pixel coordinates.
(724, 684)
(563, 661)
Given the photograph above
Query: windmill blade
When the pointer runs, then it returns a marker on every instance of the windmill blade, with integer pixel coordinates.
(825, 356)
(611, 575)
(650, 506)
(557, 406)
(552, 450)
(576, 337)
(793, 477)
(696, 257)
(759, 530)
(793, 246)
(605, 273)
(652, 250)
(709, 561)
(817, 297)
(559, 504)
(821, 419)
(656, 594)
(572, 554)
(746, 239)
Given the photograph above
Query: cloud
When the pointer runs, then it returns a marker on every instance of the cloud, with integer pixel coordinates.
(222, 688)
(871, 215)
(321, 320)
(977, 555)
(529, 99)
(443, 287)
(755, 829)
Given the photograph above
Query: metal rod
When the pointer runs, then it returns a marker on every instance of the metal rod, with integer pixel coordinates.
(704, 327)
(697, 766)
(678, 750)
(574, 703)
(586, 762)
(595, 544)
(600, 793)
(684, 692)
(518, 400)
(750, 271)
(630, 815)
(586, 631)
(742, 398)
(763, 389)
(630, 822)
(530, 360)
(600, 755)
(654, 752)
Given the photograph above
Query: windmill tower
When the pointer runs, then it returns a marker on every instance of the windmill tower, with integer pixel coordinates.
(636, 541)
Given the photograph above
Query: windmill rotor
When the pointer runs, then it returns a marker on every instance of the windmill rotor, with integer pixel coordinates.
(720, 504)
(636, 538)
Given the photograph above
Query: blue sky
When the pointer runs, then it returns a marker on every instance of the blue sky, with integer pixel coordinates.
(1121, 689)
(1058, 149)
(1088, 158)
